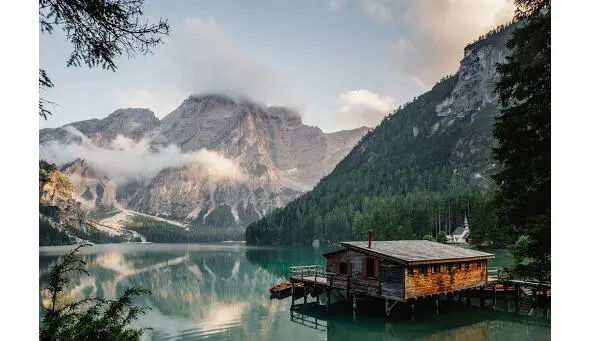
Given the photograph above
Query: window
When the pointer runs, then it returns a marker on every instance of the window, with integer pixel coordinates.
(478, 265)
(459, 267)
(436, 268)
(411, 270)
(448, 268)
(343, 268)
(422, 269)
(467, 266)
(370, 267)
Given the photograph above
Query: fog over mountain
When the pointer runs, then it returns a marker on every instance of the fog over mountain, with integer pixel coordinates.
(216, 160)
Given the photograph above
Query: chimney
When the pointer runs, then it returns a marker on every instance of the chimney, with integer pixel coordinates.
(369, 245)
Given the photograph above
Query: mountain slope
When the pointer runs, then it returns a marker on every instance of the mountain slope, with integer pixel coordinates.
(61, 219)
(215, 161)
(420, 171)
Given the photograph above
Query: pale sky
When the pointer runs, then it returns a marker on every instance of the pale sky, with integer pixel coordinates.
(341, 63)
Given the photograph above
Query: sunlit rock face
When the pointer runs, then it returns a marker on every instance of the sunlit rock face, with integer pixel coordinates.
(57, 200)
(471, 109)
(215, 160)
(90, 187)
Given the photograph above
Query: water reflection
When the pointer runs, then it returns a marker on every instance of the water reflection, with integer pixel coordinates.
(458, 323)
(220, 292)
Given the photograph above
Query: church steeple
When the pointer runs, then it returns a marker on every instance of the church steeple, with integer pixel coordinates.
(465, 221)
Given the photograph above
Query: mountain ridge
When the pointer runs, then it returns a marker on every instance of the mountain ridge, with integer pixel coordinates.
(213, 160)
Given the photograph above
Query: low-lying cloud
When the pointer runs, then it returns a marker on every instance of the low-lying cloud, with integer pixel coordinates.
(124, 159)
(362, 107)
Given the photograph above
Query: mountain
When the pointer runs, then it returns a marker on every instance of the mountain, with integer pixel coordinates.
(215, 161)
(61, 218)
(423, 169)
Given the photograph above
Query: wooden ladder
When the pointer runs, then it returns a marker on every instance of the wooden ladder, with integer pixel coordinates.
(527, 303)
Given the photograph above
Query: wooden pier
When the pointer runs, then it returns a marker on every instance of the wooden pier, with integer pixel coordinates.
(406, 272)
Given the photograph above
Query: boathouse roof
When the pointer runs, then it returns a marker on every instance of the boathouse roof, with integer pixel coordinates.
(413, 252)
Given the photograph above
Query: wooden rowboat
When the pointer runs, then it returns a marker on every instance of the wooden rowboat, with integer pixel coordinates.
(283, 287)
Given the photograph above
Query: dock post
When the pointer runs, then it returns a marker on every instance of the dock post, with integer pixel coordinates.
(292, 294)
(494, 296)
(545, 301)
(482, 296)
(412, 309)
(354, 302)
(305, 294)
(506, 297)
(517, 297)
(436, 305)
(327, 299)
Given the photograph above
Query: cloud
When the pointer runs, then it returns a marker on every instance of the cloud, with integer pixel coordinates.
(381, 10)
(124, 159)
(439, 31)
(335, 5)
(205, 59)
(161, 101)
(201, 58)
(362, 107)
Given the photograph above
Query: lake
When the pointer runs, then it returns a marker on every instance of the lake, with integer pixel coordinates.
(221, 292)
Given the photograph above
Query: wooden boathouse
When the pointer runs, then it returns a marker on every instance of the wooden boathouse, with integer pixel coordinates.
(395, 271)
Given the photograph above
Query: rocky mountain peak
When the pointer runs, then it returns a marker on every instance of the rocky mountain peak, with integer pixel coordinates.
(239, 159)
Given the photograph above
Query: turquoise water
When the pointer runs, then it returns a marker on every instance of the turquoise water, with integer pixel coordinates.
(221, 292)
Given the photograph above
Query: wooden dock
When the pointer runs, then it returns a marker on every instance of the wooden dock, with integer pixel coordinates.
(315, 280)
(412, 272)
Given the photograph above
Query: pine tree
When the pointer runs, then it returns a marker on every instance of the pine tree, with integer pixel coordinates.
(523, 132)
(89, 318)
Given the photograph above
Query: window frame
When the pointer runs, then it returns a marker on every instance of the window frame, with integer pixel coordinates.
(346, 264)
(368, 268)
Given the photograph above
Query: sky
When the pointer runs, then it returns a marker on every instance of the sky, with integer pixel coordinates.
(341, 64)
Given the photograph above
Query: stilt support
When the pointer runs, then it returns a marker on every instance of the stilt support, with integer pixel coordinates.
(494, 296)
(482, 296)
(517, 297)
(437, 305)
(389, 306)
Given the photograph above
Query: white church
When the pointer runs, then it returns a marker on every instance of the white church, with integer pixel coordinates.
(460, 234)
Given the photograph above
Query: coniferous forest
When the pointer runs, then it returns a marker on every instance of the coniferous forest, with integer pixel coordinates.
(397, 184)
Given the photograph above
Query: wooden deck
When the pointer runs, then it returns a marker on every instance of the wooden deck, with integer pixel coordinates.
(317, 280)
(316, 275)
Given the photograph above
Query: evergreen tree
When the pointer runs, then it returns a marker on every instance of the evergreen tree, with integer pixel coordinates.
(523, 132)
(441, 237)
(89, 318)
(99, 31)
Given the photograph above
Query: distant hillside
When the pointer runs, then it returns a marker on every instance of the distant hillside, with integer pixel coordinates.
(424, 168)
